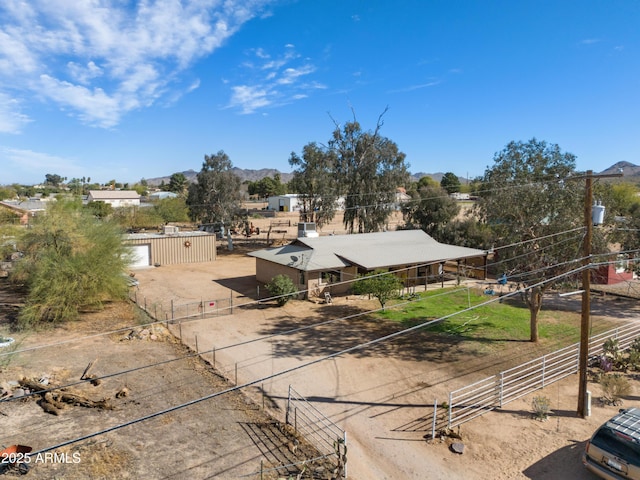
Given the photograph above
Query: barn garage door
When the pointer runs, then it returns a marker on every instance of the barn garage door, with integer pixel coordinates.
(141, 256)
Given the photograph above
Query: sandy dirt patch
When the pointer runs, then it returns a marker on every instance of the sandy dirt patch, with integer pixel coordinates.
(225, 437)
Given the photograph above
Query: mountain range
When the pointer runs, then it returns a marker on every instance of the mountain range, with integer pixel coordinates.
(628, 169)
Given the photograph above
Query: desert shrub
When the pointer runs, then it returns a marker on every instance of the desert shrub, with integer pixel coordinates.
(541, 407)
(282, 287)
(614, 386)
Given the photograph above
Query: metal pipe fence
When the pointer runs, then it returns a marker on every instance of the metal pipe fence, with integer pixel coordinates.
(496, 391)
(318, 430)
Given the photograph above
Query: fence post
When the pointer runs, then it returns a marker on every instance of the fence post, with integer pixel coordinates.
(180, 330)
(196, 336)
(286, 414)
(230, 301)
(435, 414)
(236, 373)
(450, 409)
(173, 312)
(544, 364)
(214, 356)
(501, 387)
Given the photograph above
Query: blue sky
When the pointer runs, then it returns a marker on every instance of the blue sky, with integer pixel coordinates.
(125, 90)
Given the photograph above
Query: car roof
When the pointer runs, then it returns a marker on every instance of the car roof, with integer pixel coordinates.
(627, 422)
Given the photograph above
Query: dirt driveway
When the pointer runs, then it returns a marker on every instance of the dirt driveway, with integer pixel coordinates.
(381, 395)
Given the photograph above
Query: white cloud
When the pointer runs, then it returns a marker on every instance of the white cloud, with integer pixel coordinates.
(11, 118)
(94, 106)
(84, 74)
(273, 81)
(28, 161)
(419, 86)
(290, 75)
(249, 98)
(100, 59)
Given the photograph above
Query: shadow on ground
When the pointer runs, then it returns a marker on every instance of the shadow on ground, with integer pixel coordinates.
(563, 464)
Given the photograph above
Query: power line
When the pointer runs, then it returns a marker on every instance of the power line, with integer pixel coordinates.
(285, 371)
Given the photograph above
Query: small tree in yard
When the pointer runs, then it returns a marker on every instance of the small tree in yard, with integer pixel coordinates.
(72, 262)
(282, 287)
(380, 284)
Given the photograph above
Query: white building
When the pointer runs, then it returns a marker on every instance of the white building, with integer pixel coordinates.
(284, 203)
(115, 198)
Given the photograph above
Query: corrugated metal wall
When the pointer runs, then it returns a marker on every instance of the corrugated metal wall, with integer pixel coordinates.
(171, 250)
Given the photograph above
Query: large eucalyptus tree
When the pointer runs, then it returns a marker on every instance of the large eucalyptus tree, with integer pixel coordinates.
(535, 211)
(368, 170)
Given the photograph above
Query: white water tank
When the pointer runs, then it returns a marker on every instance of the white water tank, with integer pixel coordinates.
(597, 213)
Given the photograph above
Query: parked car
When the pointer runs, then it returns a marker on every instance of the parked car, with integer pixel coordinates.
(613, 452)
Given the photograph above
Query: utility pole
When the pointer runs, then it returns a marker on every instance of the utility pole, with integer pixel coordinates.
(585, 322)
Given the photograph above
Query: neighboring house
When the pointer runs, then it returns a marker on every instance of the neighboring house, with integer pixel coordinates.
(171, 247)
(25, 208)
(314, 264)
(284, 203)
(115, 198)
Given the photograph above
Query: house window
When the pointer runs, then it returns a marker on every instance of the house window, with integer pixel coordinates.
(301, 278)
(329, 277)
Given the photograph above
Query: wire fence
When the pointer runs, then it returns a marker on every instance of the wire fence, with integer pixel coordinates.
(172, 312)
(496, 391)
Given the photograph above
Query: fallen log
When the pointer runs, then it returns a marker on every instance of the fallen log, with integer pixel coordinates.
(63, 396)
(79, 400)
(33, 386)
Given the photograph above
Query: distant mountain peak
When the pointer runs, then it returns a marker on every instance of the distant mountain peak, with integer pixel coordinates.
(628, 169)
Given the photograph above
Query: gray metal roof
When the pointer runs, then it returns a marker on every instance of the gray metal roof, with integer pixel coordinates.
(113, 194)
(31, 205)
(366, 250)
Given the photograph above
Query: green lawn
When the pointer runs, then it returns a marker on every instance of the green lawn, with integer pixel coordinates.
(495, 321)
